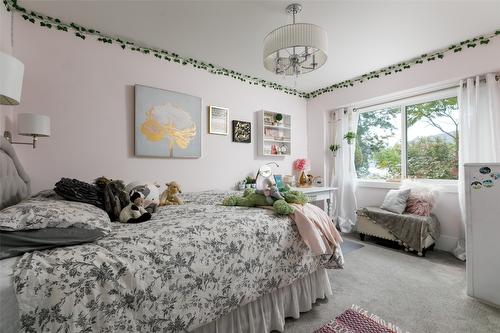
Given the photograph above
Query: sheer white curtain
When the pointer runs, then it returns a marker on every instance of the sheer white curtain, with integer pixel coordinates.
(479, 104)
(342, 170)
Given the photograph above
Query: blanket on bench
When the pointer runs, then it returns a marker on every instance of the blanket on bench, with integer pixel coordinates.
(410, 229)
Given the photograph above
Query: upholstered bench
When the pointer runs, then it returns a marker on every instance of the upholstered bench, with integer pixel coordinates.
(414, 232)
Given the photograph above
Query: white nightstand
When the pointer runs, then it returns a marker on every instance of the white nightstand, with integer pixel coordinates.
(319, 194)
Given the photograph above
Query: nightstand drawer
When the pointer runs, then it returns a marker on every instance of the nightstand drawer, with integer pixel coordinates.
(318, 196)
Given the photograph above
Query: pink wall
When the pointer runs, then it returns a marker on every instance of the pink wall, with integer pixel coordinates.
(87, 90)
(5, 46)
(453, 67)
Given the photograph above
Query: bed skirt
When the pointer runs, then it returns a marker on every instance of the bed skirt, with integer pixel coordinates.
(262, 315)
(269, 312)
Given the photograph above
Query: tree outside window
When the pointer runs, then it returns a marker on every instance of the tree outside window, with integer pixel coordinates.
(431, 141)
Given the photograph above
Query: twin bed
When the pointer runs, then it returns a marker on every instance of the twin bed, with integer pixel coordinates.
(199, 267)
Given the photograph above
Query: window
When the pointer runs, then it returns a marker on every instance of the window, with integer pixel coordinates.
(417, 140)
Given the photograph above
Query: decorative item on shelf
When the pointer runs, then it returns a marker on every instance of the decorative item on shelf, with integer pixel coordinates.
(310, 179)
(242, 131)
(218, 120)
(296, 48)
(278, 117)
(250, 182)
(302, 179)
(29, 124)
(283, 149)
(350, 136)
(242, 184)
(279, 182)
(302, 166)
(289, 180)
(167, 123)
(334, 148)
(318, 181)
(274, 150)
(268, 119)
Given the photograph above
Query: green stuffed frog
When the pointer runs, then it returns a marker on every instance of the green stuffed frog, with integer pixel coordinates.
(252, 199)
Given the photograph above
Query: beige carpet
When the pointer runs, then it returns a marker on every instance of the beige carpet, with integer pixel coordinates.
(418, 294)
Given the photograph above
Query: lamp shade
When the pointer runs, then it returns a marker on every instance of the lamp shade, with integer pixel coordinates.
(11, 79)
(297, 38)
(33, 124)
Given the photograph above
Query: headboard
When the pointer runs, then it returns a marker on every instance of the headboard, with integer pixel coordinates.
(14, 181)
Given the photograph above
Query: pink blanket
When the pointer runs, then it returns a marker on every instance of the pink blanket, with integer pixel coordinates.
(316, 228)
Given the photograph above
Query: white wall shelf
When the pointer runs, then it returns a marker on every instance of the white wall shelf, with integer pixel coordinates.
(274, 137)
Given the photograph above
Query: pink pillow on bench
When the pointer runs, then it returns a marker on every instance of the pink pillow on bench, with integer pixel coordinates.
(422, 198)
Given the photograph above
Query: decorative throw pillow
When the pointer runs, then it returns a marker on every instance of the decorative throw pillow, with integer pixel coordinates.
(395, 201)
(40, 212)
(422, 198)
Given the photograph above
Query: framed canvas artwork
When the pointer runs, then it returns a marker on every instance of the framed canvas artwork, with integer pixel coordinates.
(242, 131)
(218, 120)
(167, 123)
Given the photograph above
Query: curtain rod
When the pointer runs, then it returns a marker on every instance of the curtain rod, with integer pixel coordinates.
(481, 79)
(406, 97)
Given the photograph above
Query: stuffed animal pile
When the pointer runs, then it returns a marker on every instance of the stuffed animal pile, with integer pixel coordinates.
(282, 206)
(134, 203)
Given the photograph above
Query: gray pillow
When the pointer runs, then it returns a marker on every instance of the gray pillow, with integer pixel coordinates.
(16, 243)
(395, 201)
(40, 213)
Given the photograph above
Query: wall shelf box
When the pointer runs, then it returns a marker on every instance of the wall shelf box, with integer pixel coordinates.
(274, 138)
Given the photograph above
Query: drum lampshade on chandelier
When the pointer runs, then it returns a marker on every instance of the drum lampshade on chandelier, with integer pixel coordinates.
(295, 48)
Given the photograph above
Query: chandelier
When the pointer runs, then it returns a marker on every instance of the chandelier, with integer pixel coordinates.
(295, 48)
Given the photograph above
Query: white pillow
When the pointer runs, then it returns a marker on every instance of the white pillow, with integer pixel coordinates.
(395, 201)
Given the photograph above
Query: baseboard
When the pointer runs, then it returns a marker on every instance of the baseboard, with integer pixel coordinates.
(446, 243)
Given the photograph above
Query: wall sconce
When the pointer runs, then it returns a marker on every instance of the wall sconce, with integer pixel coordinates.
(30, 124)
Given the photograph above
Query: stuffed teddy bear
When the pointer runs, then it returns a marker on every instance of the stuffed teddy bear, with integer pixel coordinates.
(134, 212)
(252, 199)
(169, 196)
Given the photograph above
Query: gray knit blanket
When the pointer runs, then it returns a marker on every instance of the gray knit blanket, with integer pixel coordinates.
(410, 229)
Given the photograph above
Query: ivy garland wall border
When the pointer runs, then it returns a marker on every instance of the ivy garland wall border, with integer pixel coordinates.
(83, 32)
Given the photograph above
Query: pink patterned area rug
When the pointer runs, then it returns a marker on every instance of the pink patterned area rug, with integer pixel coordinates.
(357, 320)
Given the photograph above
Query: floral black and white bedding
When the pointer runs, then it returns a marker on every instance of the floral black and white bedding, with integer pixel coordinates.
(186, 267)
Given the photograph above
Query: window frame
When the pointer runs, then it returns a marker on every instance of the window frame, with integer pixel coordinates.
(403, 103)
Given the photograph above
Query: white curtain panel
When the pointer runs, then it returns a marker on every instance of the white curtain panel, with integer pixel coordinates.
(479, 104)
(342, 169)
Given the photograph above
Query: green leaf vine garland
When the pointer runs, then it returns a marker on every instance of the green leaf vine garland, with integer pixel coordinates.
(83, 32)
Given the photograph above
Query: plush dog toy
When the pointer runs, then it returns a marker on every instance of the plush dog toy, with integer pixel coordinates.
(150, 192)
(252, 199)
(134, 212)
(169, 196)
(114, 196)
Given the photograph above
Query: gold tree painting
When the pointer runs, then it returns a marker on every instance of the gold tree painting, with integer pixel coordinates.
(167, 123)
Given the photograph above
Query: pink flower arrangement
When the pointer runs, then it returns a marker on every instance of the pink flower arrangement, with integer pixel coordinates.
(301, 164)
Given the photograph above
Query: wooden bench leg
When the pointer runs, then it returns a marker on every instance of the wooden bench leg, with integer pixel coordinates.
(362, 237)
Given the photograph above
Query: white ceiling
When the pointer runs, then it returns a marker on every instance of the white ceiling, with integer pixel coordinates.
(363, 35)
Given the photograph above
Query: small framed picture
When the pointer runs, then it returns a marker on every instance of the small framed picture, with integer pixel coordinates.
(242, 131)
(218, 120)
